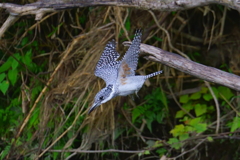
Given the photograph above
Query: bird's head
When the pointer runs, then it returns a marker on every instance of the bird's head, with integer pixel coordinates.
(102, 96)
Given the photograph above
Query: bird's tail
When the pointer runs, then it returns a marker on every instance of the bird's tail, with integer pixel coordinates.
(153, 74)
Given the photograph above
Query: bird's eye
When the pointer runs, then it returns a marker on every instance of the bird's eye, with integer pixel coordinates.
(101, 98)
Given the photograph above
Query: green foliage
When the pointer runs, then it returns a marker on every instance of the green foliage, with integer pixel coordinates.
(173, 13)
(128, 24)
(199, 103)
(83, 19)
(4, 85)
(235, 124)
(4, 152)
(11, 114)
(174, 142)
(10, 70)
(154, 110)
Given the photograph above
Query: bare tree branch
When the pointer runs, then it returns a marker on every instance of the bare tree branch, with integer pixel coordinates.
(185, 65)
(44, 6)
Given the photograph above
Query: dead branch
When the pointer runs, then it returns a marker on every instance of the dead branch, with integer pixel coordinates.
(45, 6)
(185, 65)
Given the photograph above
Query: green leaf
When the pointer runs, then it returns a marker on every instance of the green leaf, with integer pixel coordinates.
(147, 152)
(180, 114)
(2, 76)
(24, 41)
(6, 65)
(139, 110)
(4, 86)
(149, 125)
(195, 96)
(12, 75)
(210, 109)
(178, 130)
(161, 151)
(158, 144)
(27, 58)
(82, 19)
(184, 98)
(201, 127)
(204, 90)
(210, 139)
(150, 143)
(188, 106)
(35, 43)
(162, 97)
(34, 120)
(194, 121)
(200, 109)
(128, 24)
(149, 119)
(189, 129)
(5, 151)
(14, 64)
(225, 92)
(14, 61)
(215, 91)
(235, 124)
(160, 117)
(35, 91)
(207, 97)
(174, 142)
(173, 13)
(197, 54)
(184, 136)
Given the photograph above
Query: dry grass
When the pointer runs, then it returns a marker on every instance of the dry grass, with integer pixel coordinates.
(72, 85)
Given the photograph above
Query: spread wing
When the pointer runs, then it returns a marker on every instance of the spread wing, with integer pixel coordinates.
(107, 66)
(130, 60)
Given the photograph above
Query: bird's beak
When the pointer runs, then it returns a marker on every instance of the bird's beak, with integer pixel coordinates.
(94, 106)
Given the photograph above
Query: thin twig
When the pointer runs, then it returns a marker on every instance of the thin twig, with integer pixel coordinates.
(188, 150)
(217, 106)
(99, 151)
(10, 20)
(235, 110)
(168, 36)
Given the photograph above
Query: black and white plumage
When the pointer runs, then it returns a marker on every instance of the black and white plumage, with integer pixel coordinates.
(119, 76)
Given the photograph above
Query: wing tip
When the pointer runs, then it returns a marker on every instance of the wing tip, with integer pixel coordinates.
(138, 34)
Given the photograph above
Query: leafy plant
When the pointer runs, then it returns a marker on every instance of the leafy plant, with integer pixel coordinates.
(154, 110)
(11, 111)
(199, 103)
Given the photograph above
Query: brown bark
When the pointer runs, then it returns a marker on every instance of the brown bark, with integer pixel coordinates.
(185, 65)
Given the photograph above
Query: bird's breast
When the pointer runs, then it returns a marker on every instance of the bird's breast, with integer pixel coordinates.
(130, 85)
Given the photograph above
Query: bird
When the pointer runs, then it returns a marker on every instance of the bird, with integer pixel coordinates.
(119, 75)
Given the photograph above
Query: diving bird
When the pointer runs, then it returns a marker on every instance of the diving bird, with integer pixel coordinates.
(119, 76)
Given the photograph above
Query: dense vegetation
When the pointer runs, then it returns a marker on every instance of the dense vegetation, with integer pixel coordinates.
(47, 84)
